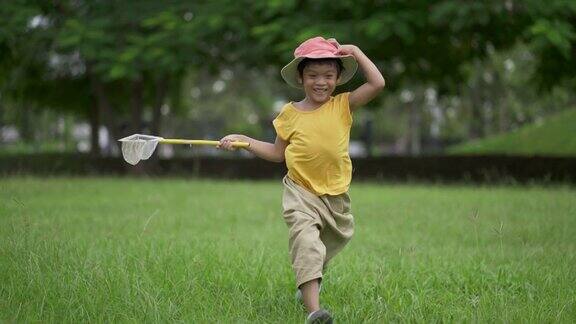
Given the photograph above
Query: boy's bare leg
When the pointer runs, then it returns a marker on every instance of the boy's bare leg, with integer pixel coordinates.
(311, 295)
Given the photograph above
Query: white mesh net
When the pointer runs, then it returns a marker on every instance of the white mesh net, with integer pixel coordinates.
(138, 147)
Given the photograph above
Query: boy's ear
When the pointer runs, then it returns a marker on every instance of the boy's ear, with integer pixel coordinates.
(300, 80)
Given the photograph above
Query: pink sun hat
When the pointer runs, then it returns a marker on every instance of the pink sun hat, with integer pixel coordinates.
(315, 48)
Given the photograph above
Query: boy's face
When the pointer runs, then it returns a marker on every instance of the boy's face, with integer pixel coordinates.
(319, 81)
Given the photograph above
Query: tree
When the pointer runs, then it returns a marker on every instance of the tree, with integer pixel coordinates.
(132, 53)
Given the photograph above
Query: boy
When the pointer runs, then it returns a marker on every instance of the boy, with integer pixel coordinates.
(312, 137)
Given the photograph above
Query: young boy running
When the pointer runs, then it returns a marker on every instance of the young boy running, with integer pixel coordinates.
(312, 137)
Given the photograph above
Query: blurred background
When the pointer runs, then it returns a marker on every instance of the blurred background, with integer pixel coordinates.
(463, 77)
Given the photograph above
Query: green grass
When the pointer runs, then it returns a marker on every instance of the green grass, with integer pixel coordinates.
(127, 250)
(554, 136)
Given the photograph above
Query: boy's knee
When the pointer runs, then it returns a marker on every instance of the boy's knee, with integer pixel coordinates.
(307, 248)
(308, 241)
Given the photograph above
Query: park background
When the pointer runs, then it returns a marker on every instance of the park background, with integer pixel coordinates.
(464, 165)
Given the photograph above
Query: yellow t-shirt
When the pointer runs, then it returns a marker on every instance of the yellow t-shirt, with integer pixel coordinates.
(317, 153)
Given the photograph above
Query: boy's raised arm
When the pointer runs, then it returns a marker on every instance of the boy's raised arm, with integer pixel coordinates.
(374, 79)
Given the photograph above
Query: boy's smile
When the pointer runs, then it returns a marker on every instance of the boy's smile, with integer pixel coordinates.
(319, 82)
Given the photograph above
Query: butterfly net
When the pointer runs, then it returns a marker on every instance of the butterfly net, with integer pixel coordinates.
(138, 147)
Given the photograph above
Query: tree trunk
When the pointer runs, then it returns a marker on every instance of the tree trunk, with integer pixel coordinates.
(368, 134)
(476, 121)
(2, 113)
(160, 93)
(136, 104)
(502, 103)
(94, 129)
(105, 109)
(414, 127)
(25, 124)
(161, 89)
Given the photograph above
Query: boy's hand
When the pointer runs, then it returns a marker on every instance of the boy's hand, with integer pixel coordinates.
(226, 141)
(348, 50)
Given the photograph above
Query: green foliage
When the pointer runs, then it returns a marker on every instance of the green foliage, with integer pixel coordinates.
(150, 45)
(557, 34)
(127, 45)
(552, 35)
(124, 40)
(552, 136)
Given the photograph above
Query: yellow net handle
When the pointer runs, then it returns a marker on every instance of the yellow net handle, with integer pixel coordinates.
(200, 142)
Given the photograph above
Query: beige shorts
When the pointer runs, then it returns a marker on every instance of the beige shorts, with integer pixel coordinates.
(319, 227)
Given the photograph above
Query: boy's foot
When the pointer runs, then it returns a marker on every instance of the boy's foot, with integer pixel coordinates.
(320, 316)
(298, 295)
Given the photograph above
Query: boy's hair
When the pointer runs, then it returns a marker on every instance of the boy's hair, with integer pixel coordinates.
(331, 61)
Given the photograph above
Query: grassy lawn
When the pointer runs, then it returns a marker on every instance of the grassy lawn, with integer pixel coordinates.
(128, 250)
(553, 136)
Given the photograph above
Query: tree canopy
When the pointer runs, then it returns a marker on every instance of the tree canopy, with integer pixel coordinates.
(130, 56)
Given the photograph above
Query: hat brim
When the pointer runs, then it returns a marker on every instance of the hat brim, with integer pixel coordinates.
(291, 76)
